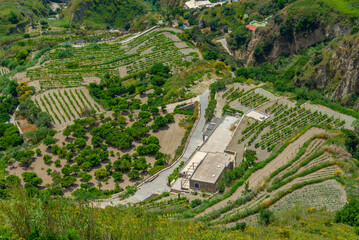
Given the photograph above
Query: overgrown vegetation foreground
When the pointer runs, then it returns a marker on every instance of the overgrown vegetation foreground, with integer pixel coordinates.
(24, 217)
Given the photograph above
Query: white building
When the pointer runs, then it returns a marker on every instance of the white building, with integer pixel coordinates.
(201, 4)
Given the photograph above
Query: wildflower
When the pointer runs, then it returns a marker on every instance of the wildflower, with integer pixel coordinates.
(337, 173)
(311, 210)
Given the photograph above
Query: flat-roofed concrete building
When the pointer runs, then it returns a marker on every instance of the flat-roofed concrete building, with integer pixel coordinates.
(210, 170)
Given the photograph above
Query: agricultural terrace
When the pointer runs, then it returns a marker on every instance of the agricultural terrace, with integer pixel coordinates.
(66, 105)
(108, 151)
(286, 118)
(4, 71)
(305, 171)
(69, 66)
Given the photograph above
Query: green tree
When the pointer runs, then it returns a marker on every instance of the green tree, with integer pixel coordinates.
(49, 141)
(266, 217)
(118, 176)
(80, 142)
(47, 159)
(102, 174)
(86, 166)
(67, 181)
(134, 174)
(66, 132)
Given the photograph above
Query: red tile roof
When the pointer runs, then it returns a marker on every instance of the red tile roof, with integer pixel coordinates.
(251, 27)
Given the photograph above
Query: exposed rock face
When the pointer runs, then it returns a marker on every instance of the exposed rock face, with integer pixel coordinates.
(336, 75)
(338, 72)
(283, 46)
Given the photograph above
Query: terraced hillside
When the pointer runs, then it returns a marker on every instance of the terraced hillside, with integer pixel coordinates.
(4, 71)
(74, 65)
(285, 117)
(305, 171)
(66, 105)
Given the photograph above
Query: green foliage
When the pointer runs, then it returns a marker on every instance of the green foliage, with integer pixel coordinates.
(118, 176)
(110, 13)
(349, 214)
(150, 149)
(102, 174)
(67, 181)
(47, 159)
(239, 38)
(133, 174)
(140, 164)
(266, 217)
(196, 203)
(9, 136)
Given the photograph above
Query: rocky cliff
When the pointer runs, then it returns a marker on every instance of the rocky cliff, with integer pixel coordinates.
(337, 74)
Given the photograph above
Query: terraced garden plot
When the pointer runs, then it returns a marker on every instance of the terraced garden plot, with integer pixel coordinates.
(65, 105)
(68, 66)
(326, 172)
(312, 147)
(4, 71)
(256, 177)
(283, 124)
(248, 98)
(328, 194)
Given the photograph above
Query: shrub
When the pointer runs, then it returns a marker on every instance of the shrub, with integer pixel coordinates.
(67, 181)
(134, 174)
(118, 176)
(102, 174)
(266, 217)
(241, 226)
(36, 181)
(85, 176)
(196, 203)
(27, 176)
(57, 163)
(349, 214)
(47, 159)
(38, 151)
(66, 170)
(86, 166)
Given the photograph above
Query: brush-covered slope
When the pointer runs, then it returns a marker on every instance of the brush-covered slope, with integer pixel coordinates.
(16, 14)
(103, 13)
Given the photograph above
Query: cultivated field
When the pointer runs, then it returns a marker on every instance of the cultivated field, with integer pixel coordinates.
(68, 66)
(303, 173)
(68, 104)
(4, 71)
(170, 138)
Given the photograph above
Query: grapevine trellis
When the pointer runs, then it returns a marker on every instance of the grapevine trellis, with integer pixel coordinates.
(100, 59)
(284, 124)
(66, 105)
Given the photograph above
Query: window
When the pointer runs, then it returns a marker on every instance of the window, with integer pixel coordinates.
(196, 185)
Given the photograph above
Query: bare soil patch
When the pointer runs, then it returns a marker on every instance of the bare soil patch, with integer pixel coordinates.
(25, 126)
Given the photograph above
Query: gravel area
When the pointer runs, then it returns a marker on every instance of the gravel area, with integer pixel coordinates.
(266, 93)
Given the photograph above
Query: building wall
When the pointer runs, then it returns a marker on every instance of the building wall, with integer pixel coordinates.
(206, 186)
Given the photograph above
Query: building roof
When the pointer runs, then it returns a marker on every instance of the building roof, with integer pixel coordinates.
(251, 27)
(221, 136)
(211, 167)
(197, 4)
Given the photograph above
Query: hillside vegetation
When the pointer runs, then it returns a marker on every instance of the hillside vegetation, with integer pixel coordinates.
(92, 115)
(118, 14)
(15, 15)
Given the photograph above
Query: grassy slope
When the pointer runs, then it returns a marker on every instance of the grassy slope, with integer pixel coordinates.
(25, 11)
(106, 13)
(48, 217)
